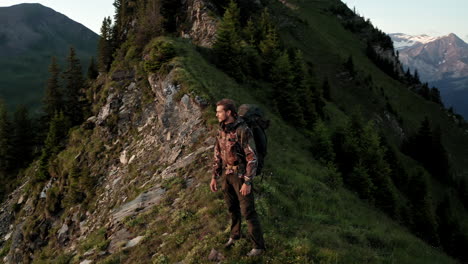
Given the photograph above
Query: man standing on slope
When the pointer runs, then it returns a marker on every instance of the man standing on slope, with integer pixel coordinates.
(234, 153)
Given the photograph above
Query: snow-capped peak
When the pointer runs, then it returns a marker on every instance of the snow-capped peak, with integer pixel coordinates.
(401, 40)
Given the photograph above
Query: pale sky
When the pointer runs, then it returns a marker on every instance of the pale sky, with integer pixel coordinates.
(90, 13)
(416, 17)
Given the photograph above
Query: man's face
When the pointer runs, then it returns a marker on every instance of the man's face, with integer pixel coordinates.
(221, 114)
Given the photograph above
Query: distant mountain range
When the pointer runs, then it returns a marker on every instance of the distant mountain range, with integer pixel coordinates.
(441, 61)
(30, 34)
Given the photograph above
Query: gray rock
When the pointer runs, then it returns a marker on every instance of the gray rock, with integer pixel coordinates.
(89, 252)
(185, 100)
(142, 203)
(215, 256)
(122, 75)
(118, 239)
(134, 242)
(62, 231)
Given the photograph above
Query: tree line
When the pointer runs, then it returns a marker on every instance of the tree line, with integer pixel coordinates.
(253, 50)
(375, 170)
(23, 137)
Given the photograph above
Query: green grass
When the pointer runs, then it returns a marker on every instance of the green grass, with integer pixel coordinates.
(305, 220)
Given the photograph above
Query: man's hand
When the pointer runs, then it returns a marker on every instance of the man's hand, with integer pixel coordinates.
(213, 186)
(245, 189)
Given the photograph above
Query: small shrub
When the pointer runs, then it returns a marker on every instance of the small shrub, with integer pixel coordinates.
(160, 53)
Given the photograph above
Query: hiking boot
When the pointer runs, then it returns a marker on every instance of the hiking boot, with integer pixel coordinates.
(230, 242)
(255, 252)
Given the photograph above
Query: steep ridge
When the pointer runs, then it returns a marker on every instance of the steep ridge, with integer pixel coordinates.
(143, 161)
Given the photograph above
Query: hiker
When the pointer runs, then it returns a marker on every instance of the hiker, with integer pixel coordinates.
(234, 156)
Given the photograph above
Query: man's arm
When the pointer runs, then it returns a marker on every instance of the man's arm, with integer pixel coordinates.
(250, 156)
(217, 162)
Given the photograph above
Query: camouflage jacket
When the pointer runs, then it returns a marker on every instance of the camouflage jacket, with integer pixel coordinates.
(233, 151)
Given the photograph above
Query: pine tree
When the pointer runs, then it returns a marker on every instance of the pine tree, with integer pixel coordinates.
(359, 181)
(5, 143)
(416, 79)
(124, 10)
(250, 33)
(149, 24)
(227, 42)
(73, 90)
(425, 91)
(270, 50)
(23, 137)
(303, 85)
(326, 90)
(53, 101)
(105, 46)
(435, 96)
(423, 218)
(438, 163)
(373, 155)
(170, 11)
(54, 143)
(322, 144)
(285, 94)
(92, 70)
(265, 25)
(349, 66)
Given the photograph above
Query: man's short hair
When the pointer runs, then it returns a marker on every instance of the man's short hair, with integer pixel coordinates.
(228, 104)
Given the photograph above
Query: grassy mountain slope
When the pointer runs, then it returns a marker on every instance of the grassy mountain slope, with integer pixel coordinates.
(306, 218)
(327, 44)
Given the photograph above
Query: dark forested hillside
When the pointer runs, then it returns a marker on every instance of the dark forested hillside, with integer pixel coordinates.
(30, 34)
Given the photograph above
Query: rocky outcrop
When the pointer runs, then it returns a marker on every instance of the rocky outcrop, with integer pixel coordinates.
(203, 26)
(144, 143)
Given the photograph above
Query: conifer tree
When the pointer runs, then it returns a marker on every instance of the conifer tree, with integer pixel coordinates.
(5, 142)
(54, 143)
(322, 144)
(326, 90)
(92, 70)
(359, 181)
(423, 218)
(53, 100)
(416, 79)
(124, 9)
(170, 10)
(250, 33)
(302, 84)
(105, 46)
(435, 96)
(285, 94)
(349, 66)
(270, 50)
(149, 23)
(227, 46)
(23, 137)
(265, 25)
(438, 163)
(74, 84)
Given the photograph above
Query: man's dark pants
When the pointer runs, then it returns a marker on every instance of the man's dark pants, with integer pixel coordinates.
(238, 203)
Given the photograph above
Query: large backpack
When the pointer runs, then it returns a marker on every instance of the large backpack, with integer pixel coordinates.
(255, 119)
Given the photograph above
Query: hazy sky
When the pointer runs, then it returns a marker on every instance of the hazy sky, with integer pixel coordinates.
(415, 17)
(431, 17)
(90, 13)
